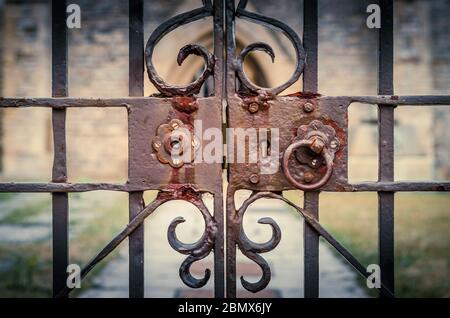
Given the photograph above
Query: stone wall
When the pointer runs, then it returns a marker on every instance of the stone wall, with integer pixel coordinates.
(441, 74)
(27, 145)
(98, 67)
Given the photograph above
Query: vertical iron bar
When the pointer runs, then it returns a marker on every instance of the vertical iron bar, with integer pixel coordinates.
(219, 40)
(219, 271)
(136, 249)
(311, 248)
(136, 48)
(136, 88)
(230, 81)
(311, 199)
(230, 87)
(60, 203)
(386, 144)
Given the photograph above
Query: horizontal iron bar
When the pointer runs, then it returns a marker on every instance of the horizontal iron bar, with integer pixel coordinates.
(124, 187)
(127, 101)
(400, 186)
(81, 102)
(64, 187)
(402, 100)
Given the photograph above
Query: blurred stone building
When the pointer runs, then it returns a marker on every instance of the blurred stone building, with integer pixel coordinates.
(98, 56)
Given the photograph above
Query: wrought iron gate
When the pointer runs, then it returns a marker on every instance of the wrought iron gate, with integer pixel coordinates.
(312, 148)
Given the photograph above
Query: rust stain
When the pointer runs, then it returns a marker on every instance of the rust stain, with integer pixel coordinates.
(340, 134)
(304, 95)
(186, 118)
(186, 104)
(184, 191)
(175, 176)
(340, 188)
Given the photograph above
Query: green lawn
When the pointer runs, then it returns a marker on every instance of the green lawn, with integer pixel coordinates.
(422, 236)
(4, 196)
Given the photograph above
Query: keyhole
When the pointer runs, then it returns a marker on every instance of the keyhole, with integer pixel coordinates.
(175, 144)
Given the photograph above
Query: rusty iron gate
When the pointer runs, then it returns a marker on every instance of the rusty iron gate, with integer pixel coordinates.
(313, 148)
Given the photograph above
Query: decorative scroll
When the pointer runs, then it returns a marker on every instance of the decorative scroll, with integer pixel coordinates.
(196, 251)
(252, 249)
(246, 245)
(161, 31)
(260, 46)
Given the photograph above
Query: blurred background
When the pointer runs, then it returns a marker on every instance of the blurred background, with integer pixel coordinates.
(98, 147)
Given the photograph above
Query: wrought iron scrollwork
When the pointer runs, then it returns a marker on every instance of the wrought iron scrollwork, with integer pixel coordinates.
(161, 31)
(197, 250)
(241, 12)
(252, 249)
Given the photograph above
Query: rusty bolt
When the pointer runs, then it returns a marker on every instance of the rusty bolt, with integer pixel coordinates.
(308, 107)
(176, 161)
(317, 145)
(308, 177)
(253, 108)
(174, 125)
(334, 144)
(254, 178)
(157, 144)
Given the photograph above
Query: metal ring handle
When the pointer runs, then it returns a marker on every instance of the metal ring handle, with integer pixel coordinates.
(306, 187)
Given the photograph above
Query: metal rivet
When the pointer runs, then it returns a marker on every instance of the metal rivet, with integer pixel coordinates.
(176, 161)
(308, 177)
(308, 107)
(174, 125)
(254, 178)
(156, 144)
(253, 108)
(334, 144)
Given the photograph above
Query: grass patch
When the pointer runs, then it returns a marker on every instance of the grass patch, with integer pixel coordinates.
(26, 270)
(422, 245)
(94, 237)
(5, 196)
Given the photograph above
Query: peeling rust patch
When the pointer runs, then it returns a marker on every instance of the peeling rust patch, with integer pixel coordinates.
(186, 104)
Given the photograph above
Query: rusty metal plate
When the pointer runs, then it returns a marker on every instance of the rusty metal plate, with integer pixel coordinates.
(143, 122)
(288, 114)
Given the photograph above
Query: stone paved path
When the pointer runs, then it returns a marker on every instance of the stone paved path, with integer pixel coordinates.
(37, 229)
(38, 226)
(337, 278)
